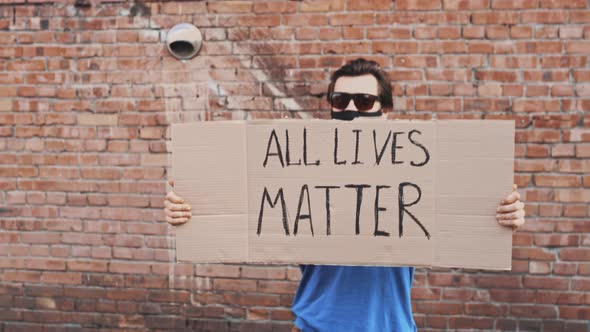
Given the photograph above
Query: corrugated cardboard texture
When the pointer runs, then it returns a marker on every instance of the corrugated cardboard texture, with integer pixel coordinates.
(209, 168)
(237, 175)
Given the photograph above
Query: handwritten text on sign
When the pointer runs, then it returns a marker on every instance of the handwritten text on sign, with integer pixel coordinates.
(347, 148)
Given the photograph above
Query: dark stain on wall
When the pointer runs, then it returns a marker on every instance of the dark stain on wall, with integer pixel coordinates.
(140, 9)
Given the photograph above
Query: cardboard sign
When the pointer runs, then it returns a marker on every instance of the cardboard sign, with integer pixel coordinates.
(363, 192)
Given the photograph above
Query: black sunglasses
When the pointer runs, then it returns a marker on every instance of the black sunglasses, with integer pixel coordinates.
(362, 101)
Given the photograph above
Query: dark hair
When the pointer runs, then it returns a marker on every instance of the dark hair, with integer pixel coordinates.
(361, 67)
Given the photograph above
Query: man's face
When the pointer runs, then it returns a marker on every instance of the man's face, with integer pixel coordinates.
(358, 84)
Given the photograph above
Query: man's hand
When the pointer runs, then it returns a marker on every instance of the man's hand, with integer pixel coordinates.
(510, 212)
(177, 212)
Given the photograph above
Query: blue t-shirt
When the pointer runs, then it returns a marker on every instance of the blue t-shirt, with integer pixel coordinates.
(354, 298)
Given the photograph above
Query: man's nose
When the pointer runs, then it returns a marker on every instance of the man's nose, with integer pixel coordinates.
(351, 106)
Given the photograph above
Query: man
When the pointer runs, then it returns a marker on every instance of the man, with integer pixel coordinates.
(356, 298)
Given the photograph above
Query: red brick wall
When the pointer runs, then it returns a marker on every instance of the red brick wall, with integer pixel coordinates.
(86, 94)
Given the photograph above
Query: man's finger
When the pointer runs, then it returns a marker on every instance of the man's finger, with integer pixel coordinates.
(176, 221)
(179, 207)
(511, 216)
(180, 221)
(506, 222)
(510, 207)
(518, 222)
(172, 197)
(515, 215)
(513, 197)
(179, 214)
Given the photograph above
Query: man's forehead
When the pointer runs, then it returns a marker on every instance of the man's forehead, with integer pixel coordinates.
(357, 84)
